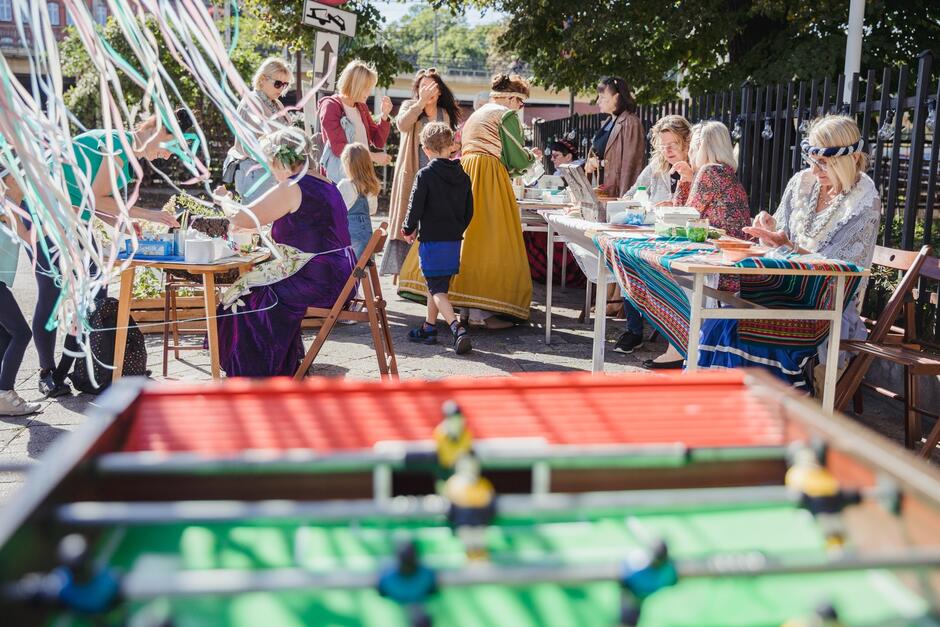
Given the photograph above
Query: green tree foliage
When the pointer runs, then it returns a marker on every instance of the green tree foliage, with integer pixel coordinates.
(461, 44)
(280, 22)
(704, 45)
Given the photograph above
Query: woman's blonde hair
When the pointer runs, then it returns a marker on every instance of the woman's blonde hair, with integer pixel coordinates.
(831, 131)
(357, 164)
(357, 80)
(268, 68)
(288, 146)
(678, 126)
(711, 143)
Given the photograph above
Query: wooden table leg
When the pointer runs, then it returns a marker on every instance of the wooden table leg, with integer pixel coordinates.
(695, 321)
(832, 356)
(123, 319)
(208, 282)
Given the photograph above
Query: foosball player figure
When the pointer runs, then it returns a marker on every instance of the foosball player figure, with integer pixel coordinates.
(452, 439)
(644, 574)
(824, 616)
(409, 582)
(75, 584)
(820, 494)
(472, 505)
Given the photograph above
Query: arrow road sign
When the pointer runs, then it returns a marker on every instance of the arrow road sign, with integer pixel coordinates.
(325, 17)
(325, 51)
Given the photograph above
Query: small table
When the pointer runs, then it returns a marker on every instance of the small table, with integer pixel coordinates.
(207, 271)
(690, 275)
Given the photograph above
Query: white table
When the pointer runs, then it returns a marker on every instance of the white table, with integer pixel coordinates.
(579, 232)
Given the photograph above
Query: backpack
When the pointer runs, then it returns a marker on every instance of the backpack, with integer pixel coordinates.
(101, 343)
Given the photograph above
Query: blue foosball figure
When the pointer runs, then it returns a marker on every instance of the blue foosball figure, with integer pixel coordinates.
(644, 574)
(407, 581)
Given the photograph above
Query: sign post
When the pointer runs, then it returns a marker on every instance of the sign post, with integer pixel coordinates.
(325, 51)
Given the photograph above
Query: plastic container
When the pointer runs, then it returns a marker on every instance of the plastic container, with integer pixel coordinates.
(150, 248)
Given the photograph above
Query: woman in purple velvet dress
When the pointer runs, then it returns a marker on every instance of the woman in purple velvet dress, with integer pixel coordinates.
(260, 315)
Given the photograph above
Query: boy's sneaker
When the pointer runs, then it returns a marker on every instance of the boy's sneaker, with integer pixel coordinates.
(628, 342)
(11, 404)
(423, 334)
(462, 344)
(50, 388)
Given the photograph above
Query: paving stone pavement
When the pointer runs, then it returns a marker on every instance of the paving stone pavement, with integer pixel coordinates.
(348, 353)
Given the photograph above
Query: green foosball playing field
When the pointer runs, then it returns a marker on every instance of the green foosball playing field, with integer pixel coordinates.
(864, 597)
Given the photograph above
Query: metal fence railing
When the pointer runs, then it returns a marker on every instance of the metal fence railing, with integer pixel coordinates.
(896, 110)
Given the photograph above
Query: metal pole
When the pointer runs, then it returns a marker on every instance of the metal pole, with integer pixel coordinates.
(141, 583)
(853, 44)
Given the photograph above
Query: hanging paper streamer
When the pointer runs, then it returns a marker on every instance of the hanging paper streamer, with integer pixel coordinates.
(36, 142)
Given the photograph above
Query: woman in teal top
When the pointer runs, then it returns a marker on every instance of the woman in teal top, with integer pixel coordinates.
(91, 151)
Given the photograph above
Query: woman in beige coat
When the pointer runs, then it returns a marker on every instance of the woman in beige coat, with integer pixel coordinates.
(431, 101)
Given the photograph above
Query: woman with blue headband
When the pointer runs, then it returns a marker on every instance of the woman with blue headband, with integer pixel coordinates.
(831, 208)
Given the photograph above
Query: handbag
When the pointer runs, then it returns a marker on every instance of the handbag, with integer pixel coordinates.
(393, 257)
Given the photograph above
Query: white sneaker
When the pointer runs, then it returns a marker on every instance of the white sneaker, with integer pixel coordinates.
(12, 405)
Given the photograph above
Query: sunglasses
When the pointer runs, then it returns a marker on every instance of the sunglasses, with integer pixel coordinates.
(431, 71)
(280, 84)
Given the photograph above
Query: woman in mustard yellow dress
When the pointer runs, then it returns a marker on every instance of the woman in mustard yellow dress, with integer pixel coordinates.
(494, 277)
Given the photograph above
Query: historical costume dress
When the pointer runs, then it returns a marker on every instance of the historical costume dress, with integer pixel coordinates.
(494, 272)
(261, 336)
(846, 230)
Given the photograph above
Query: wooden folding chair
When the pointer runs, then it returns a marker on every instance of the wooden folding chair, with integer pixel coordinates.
(896, 344)
(371, 309)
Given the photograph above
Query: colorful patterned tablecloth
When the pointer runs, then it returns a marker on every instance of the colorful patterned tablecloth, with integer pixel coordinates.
(643, 268)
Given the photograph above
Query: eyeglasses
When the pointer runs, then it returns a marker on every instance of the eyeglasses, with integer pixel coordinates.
(431, 71)
(813, 161)
(279, 84)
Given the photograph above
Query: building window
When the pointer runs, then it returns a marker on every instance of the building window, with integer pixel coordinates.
(6, 10)
(101, 12)
(53, 13)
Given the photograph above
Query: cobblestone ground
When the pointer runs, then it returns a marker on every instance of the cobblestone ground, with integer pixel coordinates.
(348, 353)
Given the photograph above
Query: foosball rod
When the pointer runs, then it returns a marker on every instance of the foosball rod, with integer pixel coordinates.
(140, 584)
(509, 453)
(101, 513)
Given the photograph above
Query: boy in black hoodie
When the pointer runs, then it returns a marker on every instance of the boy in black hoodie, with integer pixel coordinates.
(440, 210)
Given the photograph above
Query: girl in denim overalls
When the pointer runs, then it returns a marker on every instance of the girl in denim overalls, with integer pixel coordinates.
(360, 188)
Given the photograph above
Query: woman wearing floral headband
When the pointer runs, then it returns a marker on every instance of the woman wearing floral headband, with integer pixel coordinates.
(832, 208)
(309, 224)
(431, 100)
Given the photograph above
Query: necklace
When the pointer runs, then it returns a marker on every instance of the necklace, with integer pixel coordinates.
(815, 221)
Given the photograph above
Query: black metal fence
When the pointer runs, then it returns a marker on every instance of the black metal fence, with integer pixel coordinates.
(896, 110)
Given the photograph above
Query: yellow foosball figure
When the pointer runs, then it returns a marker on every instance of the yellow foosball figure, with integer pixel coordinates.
(472, 505)
(452, 439)
(820, 494)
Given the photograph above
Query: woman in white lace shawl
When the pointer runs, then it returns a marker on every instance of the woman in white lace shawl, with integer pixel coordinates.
(832, 208)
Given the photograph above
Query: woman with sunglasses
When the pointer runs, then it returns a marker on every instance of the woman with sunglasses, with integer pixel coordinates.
(345, 118)
(618, 151)
(494, 275)
(431, 101)
(270, 82)
(832, 208)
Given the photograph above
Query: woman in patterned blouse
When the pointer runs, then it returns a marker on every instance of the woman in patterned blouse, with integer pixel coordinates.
(708, 183)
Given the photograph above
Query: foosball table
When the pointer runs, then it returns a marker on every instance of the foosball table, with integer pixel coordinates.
(552, 499)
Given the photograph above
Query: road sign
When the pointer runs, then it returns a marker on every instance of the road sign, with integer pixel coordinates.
(325, 51)
(325, 17)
